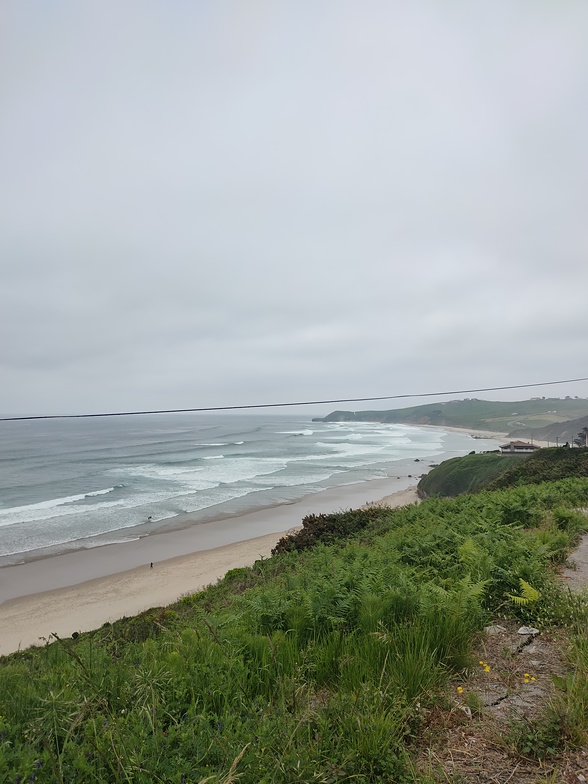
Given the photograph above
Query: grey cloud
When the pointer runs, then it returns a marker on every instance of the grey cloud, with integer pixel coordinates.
(229, 203)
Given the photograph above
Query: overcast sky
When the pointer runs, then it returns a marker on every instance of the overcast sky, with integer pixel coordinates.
(216, 203)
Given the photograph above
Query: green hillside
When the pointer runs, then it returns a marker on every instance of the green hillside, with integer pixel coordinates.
(465, 474)
(339, 663)
(493, 471)
(522, 415)
(544, 465)
(558, 432)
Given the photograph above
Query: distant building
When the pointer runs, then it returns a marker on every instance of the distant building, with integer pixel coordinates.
(518, 448)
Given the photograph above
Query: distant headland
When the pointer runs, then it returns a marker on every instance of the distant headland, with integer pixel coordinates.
(544, 419)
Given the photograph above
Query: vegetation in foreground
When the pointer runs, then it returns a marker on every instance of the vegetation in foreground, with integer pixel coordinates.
(325, 663)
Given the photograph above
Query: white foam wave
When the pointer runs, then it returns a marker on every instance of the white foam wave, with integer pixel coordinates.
(154, 471)
(53, 503)
(224, 443)
(171, 481)
(101, 492)
(346, 448)
(33, 513)
(209, 474)
(294, 480)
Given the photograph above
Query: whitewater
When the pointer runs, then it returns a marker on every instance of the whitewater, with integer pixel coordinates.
(71, 484)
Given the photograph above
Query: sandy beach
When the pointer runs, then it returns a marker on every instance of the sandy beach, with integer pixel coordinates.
(490, 434)
(81, 590)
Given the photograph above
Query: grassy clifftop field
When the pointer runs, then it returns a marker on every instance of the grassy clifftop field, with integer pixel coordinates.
(337, 660)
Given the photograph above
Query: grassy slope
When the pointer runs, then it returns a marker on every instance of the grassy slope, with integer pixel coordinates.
(545, 465)
(562, 432)
(465, 474)
(315, 666)
(493, 471)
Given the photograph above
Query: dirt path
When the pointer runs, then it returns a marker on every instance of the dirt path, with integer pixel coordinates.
(576, 577)
(472, 741)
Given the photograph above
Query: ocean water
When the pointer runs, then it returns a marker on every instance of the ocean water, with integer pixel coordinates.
(66, 484)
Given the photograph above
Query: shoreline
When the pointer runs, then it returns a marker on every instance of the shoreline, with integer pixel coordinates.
(81, 589)
(220, 516)
(31, 619)
(202, 520)
(69, 568)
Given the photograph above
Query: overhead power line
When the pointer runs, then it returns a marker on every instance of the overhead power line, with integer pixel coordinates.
(285, 405)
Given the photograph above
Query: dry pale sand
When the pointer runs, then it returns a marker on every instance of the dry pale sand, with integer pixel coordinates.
(30, 619)
(489, 434)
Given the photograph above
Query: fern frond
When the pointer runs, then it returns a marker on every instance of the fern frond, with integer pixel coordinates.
(520, 601)
(528, 594)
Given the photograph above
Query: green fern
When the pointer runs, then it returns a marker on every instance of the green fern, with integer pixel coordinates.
(528, 594)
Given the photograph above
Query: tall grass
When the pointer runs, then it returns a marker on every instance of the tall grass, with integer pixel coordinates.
(311, 667)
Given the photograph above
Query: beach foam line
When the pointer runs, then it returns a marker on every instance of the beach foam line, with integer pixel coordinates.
(183, 534)
(55, 502)
(31, 620)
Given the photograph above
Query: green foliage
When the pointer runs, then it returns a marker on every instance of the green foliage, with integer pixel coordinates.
(538, 738)
(492, 471)
(312, 666)
(544, 465)
(327, 528)
(465, 474)
(570, 706)
(528, 594)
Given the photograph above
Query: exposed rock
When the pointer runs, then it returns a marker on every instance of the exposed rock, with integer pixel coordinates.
(495, 629)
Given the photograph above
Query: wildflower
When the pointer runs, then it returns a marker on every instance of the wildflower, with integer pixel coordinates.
(526, 675)
(486, 668)
(460, 689)
(526, 680)
(533, 679)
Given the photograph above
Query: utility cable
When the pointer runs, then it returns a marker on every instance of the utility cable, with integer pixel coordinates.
(284, 405)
